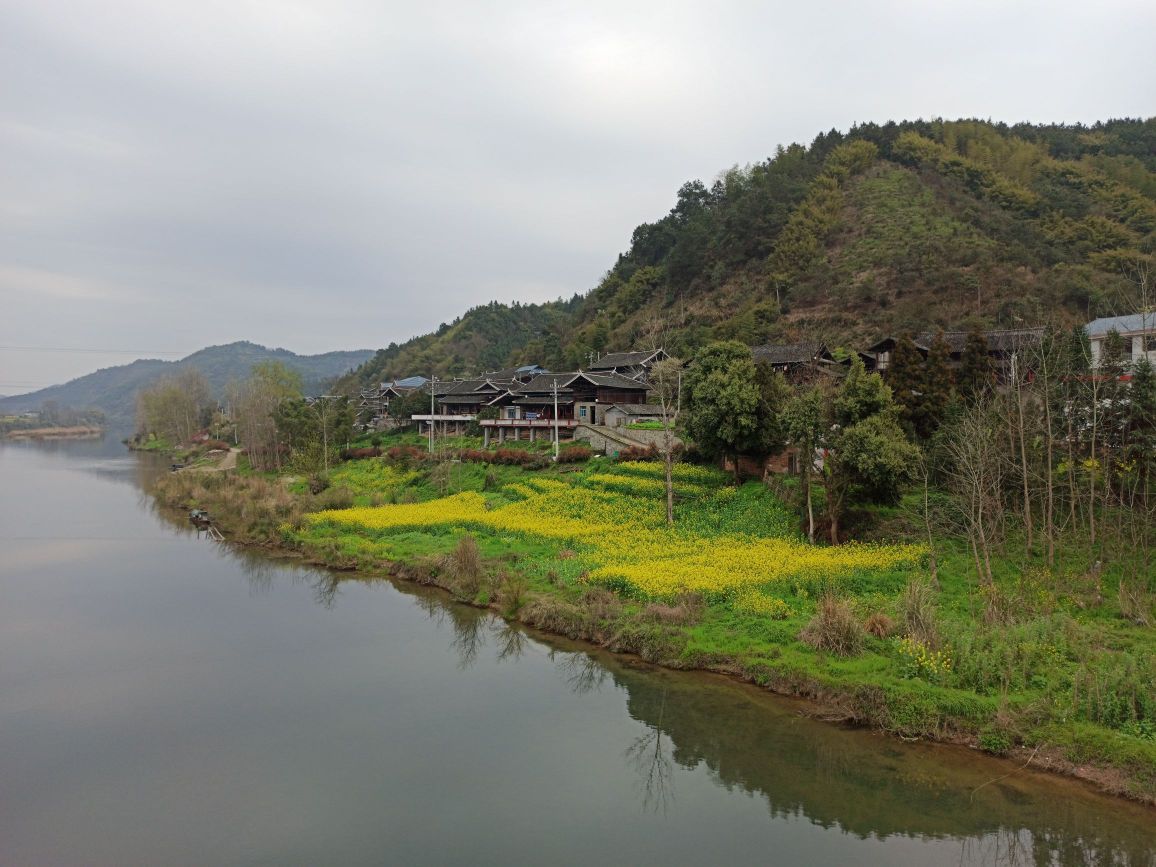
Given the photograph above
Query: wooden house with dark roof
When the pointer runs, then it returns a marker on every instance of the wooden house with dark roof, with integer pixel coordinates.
(457, 402)
(798, 361)
(634, 365)
(373, 403)
(1001, 346)
(560, 401)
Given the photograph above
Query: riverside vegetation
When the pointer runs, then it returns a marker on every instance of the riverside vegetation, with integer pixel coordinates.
(1039, 660)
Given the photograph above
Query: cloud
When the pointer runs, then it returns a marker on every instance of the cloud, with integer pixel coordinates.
(53, 287)
(345, 174)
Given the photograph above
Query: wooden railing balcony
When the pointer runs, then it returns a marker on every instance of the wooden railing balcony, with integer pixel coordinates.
(528, 422)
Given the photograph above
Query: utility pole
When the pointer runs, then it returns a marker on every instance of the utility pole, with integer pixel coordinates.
(432, 382)
(555, 419)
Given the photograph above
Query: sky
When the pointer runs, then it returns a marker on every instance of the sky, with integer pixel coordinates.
(339, 175)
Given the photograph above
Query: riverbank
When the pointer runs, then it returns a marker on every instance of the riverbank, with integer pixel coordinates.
(1052, 680)
(41, 433)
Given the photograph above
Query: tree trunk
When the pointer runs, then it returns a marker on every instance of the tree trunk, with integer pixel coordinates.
(810, 505)
(1028, 529)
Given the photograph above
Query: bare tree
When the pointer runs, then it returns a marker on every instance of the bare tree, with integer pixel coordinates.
(175, 407)
(666, 383)
(976, 479)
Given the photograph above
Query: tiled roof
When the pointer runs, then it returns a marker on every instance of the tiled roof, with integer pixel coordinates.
(624, 359)
(788, 353)
(957, 340)
(1121, 324)
(545, 382)
(615, 380)
(408, 382)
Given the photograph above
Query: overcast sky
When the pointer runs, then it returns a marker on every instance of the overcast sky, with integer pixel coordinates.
(338, 175)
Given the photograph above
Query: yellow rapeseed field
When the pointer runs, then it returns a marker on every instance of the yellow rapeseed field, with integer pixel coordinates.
(624, 540)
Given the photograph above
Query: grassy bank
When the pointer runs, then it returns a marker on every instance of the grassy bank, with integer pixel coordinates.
(1042, 664)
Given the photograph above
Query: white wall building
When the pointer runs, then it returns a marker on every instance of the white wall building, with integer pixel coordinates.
(1138, 331)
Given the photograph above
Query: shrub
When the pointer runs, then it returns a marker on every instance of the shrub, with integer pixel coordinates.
(464, 567)
(360, 454)
(335, 498)
(601, 604)
(216, 445)
(1137, 604)
(575, 454)
(917, 608)
(318, 482)
(995, 741)
(687, 611)
(511, 593)
(834, 628)
(880, 625)
(638, 453)
(405, 454)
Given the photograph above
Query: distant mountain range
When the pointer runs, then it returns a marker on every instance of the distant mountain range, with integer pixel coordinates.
(113, 389)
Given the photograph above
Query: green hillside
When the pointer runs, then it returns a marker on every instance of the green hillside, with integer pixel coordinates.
(910, 225)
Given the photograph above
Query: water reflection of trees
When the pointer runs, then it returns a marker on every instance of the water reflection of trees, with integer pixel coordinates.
(863, 784)
(649, 755)
(870, 786)
(581, 671)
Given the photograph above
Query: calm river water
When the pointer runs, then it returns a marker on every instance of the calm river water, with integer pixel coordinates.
(166, 700)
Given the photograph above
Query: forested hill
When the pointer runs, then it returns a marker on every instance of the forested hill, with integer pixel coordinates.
(113, 389)
(911, 225)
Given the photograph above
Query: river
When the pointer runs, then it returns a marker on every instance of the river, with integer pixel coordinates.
(168, 700)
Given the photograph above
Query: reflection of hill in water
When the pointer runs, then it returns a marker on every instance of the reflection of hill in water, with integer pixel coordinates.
(861, 782)
(868, 784)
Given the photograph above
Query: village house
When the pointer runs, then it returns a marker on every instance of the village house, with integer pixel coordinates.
(798, 362)
(1137, 330)
(373, 403)
(633, 365)
(624, 414)
(456, 403)
(560, 402)
(1001, 347)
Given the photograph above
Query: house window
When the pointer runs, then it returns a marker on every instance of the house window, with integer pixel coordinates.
(1150, 344)
(512, 412)
(581, 412)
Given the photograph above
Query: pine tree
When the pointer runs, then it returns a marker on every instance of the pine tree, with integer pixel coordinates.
(905, 375)
(938, 384)
(1113, 390)
(1141, 444)
(975, 371)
